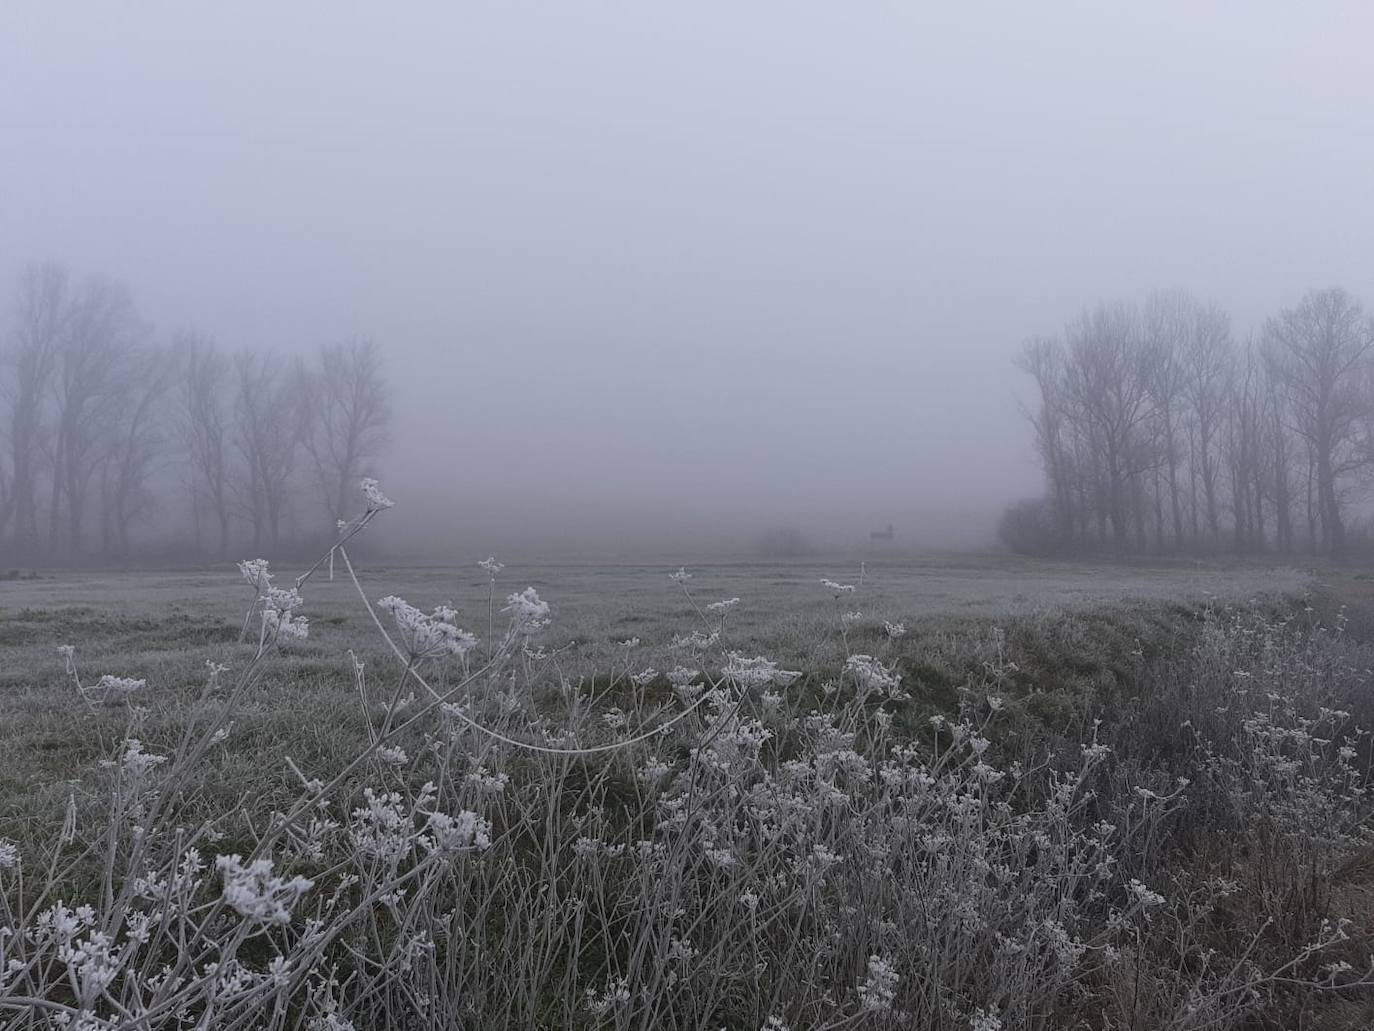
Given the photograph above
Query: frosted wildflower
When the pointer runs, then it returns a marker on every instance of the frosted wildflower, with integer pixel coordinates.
(749, 900)
(681, 576)
(278, 622)
(615, 719)
(838, 589)
(894, 630)
(465, 832)
(630, 642)
(756, 672)
(722, 607)
(92, 967)
(879, 990)
(136, 760)
(994, 702)
(254, 571)
(330, 1022)
(486, 782)
(825, 857)
(119, 685)
(695, 641)
(67, 651)
(645, 677)
(721, 857)
(393, 755)
(775, 1023)
(848, 619)
(1144, 895)
(491, 566)
(654, 769)
(529, 614)
(1068, 950)
(372, 494)
(614, 995)
(253, 893)
(982, 1020)
(9, 854)
(380, 829)
(682, 676)
(870, 675)
(427, 636)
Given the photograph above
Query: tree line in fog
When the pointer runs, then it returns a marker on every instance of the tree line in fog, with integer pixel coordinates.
(119, 443)
(1159, 432)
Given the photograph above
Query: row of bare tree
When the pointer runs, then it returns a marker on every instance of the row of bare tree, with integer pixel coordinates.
(1158, 432)
(114, 443)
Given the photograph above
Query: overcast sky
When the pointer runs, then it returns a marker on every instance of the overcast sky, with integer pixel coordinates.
(649, 273)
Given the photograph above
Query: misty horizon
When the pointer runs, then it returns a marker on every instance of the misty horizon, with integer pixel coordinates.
(654, 284)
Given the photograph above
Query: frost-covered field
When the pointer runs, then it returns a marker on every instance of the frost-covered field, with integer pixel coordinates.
(950, 794)
(782, 604)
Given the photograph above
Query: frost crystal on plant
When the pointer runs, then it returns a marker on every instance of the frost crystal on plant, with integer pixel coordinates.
(253, 893)
(880, 989)
(427, 636)
(372, 494)
(529, 614)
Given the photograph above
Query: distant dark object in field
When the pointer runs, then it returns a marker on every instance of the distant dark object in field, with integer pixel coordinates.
(882, 535)
(782, 542)
(19, 574)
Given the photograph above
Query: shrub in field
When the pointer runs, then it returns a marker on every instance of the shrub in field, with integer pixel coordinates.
(730, 845)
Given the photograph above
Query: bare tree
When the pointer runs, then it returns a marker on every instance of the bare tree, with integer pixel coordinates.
(204, 418)
(102, 332)
(1209, 364)
(346, 418)
(1320, 353)
(42, 314)
(1108, 382)
(266, 435)
(135, 440)
(1168, 319)
(1042, 358)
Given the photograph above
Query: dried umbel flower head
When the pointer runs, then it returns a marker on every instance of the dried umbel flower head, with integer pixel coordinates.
(528, 613)
(372, 494)
(253, 893)
(254, 570)
(428, 636)
(491, 566)
(278, 621)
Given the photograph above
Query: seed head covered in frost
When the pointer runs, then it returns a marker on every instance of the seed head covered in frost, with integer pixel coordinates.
(254, 570)
(427, 636)
(528, 613)
(119, 685)
(491, 566)
(9, 854)
(253, 893)
(757, 672)
(278, 621)
(465, 832)
(372, 494)
(837, 589)
(681, 576)
(880, 988)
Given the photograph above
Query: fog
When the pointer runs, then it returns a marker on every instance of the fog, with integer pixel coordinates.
(652, 279)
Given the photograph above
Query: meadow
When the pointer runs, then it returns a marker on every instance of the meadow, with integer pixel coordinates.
(941, 792)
